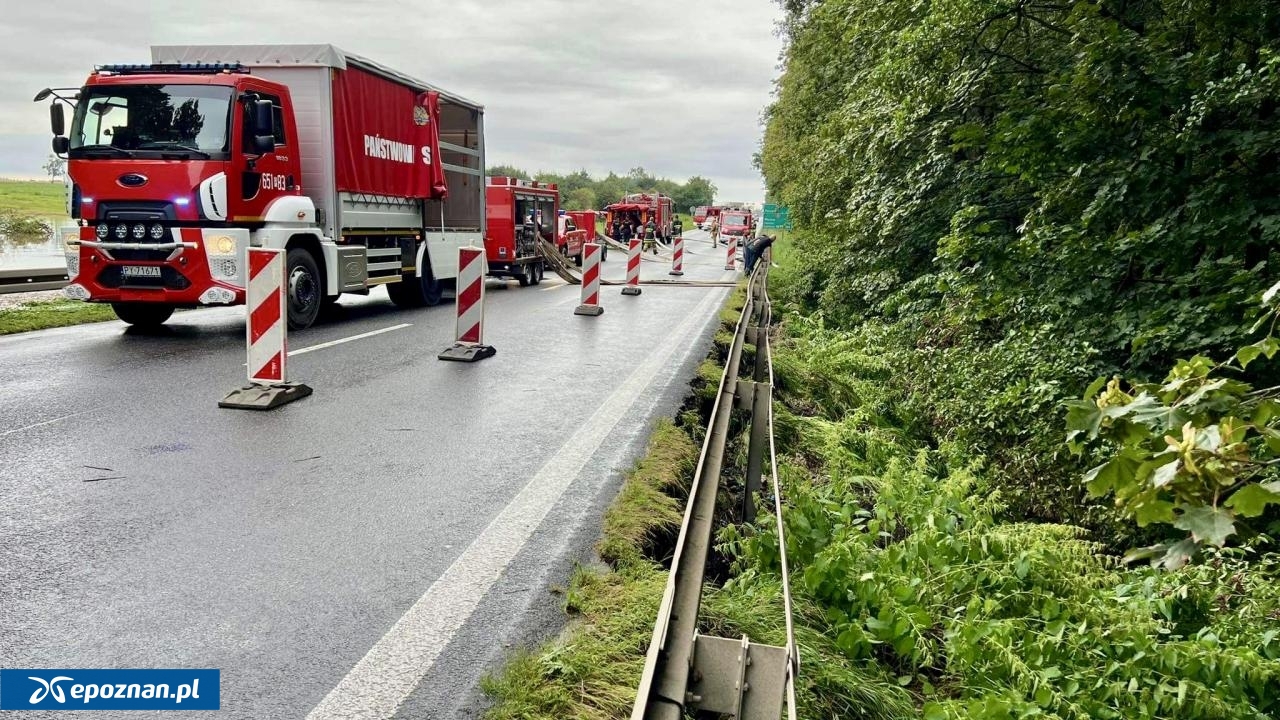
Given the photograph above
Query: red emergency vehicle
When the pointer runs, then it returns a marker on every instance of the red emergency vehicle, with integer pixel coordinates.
(365, 175)
(735, 222)
(639, 209)
(518, 213)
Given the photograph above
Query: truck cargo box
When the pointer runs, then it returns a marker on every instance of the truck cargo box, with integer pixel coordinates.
(365, 133)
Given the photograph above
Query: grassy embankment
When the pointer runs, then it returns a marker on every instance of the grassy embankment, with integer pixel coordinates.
(591, 671)
(24, 207)
(917, 594)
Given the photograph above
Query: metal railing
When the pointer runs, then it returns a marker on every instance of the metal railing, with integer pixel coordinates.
(685, 670)
(15, 281)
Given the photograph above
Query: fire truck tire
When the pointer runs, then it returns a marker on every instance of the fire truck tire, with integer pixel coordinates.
(143, 315)
(577, 259)
(305, 288)
(432, 289)
(526, 275)
(416, 292)
(538, 273)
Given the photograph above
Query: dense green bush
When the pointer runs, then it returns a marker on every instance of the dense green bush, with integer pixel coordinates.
(1029, 194)
(937, 602)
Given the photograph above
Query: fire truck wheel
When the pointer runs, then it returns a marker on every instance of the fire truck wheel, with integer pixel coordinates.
(143, 315)
(432, 290)
(526, 275)
(305, 289)
(538, 273)
(577, 259)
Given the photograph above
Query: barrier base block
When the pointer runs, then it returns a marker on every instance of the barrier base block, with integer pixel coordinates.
(630, 290)
(467, 353)
(592, 310)
(264, 397)
(676, 272)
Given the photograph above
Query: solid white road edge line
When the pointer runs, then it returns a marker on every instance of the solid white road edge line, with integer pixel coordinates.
(376, 687)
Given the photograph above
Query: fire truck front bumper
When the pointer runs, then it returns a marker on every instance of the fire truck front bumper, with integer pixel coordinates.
(186, 267)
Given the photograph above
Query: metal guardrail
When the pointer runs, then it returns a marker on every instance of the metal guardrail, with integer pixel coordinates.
(31, 280)
(685, 670)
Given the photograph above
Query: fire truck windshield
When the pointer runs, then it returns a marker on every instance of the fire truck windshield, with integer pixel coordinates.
(190, 121)
(735, 221)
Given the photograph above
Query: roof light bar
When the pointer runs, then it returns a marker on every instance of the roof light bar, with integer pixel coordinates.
(172, 68)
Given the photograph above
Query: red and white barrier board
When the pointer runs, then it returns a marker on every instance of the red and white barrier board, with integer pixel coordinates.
(266, 336)
(469, 329)
(590, 281)
(265, 330)
(677, 256)
(730, 262)
(633, 268)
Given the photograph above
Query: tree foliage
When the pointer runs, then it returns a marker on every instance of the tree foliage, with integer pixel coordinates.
(1032, 193)
(998, 202)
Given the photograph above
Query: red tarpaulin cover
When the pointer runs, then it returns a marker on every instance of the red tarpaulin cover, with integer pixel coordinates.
(387, 137)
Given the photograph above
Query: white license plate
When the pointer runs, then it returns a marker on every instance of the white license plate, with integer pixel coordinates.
(140, 271)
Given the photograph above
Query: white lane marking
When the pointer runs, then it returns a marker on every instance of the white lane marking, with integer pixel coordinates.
(375, 688)
(556, 287)
(340, 341)
(48, 422)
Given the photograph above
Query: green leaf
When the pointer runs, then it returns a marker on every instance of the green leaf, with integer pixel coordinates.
(1108, 475)
(1207, 524)
(1149, 511)
(1269, 346)
(1252, 500)
(1166, 473)
(1248, 354)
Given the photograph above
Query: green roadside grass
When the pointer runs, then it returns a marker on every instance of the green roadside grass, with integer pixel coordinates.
(45, 314)
(33, 197)
(591, 671)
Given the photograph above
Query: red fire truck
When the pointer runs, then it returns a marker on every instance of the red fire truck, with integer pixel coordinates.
(640, 208)
(735, 222)
(365, 175)
(518, 212)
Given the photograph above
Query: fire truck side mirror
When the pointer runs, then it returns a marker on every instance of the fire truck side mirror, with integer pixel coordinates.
(263, 130)
(57, 120)
(61, 144)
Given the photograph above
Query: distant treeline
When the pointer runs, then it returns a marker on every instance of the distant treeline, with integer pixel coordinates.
(581, 191)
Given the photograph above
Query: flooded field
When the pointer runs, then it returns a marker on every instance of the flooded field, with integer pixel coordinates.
(21, 253)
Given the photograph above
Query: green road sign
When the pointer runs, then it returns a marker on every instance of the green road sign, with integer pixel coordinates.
(776, 216)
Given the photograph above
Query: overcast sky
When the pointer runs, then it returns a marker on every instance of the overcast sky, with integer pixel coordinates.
(675, 87)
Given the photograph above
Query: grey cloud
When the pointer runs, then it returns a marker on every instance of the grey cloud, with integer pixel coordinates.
(675, 87)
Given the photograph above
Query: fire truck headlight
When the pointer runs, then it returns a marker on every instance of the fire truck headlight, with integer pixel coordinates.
(220, 245)
(139, 231)
(102, 231)
(157, 231)
(122, 231)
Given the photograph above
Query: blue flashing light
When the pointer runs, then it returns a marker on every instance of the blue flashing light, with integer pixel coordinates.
(181, 201)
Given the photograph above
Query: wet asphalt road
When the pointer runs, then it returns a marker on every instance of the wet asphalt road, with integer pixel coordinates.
(411, 518)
